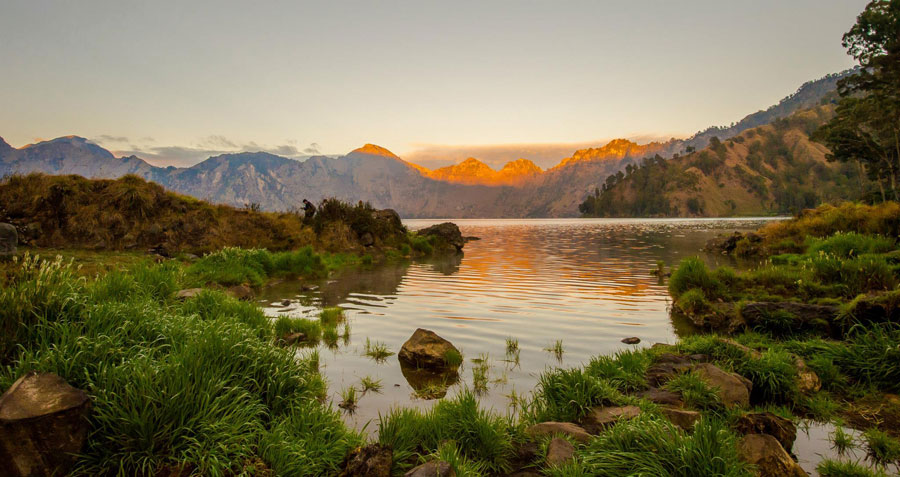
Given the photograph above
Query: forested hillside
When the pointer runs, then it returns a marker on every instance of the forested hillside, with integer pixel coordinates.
(772, 169)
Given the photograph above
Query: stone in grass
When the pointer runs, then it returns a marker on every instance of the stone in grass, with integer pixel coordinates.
(434, 468)
(188, 293)
(770, 459)
(43, 423)
(681, 417)
(733, 389)
(425, 349)
(599, 418)
(548, 428)
(559, 451)
(767, 423)
(661, 396)
(373, 460)
(9, 240)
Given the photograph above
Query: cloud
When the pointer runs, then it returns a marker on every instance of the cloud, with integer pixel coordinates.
(206, 147)
(106, 138)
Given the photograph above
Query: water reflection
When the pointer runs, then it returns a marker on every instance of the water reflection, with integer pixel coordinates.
(587, 283)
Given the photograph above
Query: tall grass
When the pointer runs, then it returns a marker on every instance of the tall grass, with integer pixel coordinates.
(692, 273)
(234, 266)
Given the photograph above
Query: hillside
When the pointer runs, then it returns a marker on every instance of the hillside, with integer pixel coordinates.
(374, 174)
(772, 169)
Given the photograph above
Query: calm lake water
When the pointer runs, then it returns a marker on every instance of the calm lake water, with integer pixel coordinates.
(586, 283)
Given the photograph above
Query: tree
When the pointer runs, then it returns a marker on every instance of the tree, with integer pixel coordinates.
(866, 126)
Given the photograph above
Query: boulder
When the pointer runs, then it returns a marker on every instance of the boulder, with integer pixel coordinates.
(188, 293)
(770, 459)
(559, 451)
(681, 417)
(43, 422)
(599, 418)
(293, 338)
(425, 349)
(661, 396)
(733, 389)
(373, 460)
(449, 238)
(631, 340)
(807, 379)
(9, 240)
(390, 216)
(767, 423)
(241, 292)
(433, 468)
(666, 367)
(550, 428)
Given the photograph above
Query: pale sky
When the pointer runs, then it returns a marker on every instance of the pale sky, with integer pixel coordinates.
(174, 82)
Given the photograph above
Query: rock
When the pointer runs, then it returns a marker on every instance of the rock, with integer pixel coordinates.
(9, 240)
(425, 349)
(43, 422)
(778, 427)
(599, 418)
(188, 293)
(367, 239)
(373, 460)
(666, 367)
(661, 396)
(309, 287)
(770, 459)
(448, 236)
(631, 340)
(390, 216)
(433, 468)
(681, 417)
(524, 454)
(241, 292)
(559, 451)
(746, 350)
(807, 380)
(285, 302)
(293, 338)
(472, 238)
(565, 428)
(733, 389)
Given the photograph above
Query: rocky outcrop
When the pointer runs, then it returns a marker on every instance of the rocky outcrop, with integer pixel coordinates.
(373, 460)
(425, 349)
(770, 459)
(9, 240)
(434, 468)
(778, 427)
(550, 428)
(733, 389)
(559, 451)
(447, 237)
(43, 423)
(599, 418)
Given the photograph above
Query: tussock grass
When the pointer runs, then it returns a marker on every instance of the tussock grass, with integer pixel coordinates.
(695, 392)
(881, 447)
(369, 383)
(286, 325)
(835, 468)
(557, 349)
(235, 266)
(625, 370)
(692, 273)
(377, 350)
(568, 394)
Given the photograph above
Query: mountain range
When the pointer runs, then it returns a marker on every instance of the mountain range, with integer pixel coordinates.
(374, 174)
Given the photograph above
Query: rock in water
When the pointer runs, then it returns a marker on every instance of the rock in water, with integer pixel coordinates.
(425, 349)
(434, 468)
(631, 340)
(373, 460)
(770, 459)
(449, 238)
(43, 421)
(767, 423)
(9, 240)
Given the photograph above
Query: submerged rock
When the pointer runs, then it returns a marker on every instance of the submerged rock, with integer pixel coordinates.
(733, 389)
(770, 459)
(429, 383)
(778, 427)
(448, 237)
(559, 451)
(43, 422)
(600, 418)
(9, 240)
(434, 468)
(566, 428)
(373, 460)
(631, 340)
(425, 349)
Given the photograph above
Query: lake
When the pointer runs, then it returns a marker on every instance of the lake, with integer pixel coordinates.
(583, 282)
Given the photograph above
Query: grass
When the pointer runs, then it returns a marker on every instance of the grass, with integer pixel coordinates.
(349, 399)
(842, 441)
(568, 394)
(881, 447)
(453, 358)
(695, 392)
(331, 316)
(625, 370)
(774, 376)
(835, 468)
(285, 325)
(692, 273)
(556, 348)
(369, 383)
(512, 346)
(377, 350)
(480, 372)
(195, 382)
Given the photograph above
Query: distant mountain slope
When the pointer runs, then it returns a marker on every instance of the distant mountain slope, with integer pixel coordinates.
(771, 169)
(373, 173)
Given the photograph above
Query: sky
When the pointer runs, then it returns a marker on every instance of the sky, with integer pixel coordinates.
(435, 82)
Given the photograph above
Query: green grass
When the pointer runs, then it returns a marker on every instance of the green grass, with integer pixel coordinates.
(625, 370)
(196, 383)
(453, 358)
(842, 440)
(568, 394)
(774, 376)
(286, 325)
(480, 372)
(835, 468)
(331, 316)
(512, 345)
(235, 266)
(881, 447)
(556, 348)
(377, 350)
(349, 398)
(846, 245)
(695, 392)
(369, 383)
(692, 273)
